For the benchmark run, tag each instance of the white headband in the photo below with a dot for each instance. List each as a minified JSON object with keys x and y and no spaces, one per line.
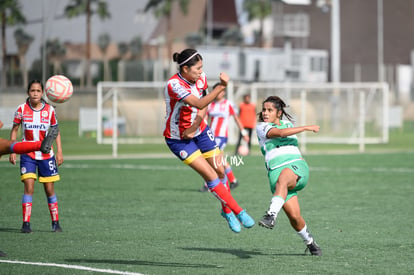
{"x":188,"y":59}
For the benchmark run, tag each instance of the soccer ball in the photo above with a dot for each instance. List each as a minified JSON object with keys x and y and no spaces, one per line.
{"x":58,"y":88}
{"x":243,"y":150}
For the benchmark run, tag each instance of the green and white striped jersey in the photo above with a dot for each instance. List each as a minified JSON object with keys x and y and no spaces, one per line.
{"x":277,"y":151}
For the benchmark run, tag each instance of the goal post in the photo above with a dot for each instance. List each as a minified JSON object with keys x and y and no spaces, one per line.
{"x":136,"y":116}
{"x":348,"y":113}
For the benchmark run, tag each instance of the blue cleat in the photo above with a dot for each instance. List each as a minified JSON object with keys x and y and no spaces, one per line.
{"x":245,"y":219}
{"x":232,"y":221}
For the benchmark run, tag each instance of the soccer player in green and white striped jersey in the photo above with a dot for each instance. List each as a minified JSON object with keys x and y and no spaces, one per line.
{"x":288,"y":172}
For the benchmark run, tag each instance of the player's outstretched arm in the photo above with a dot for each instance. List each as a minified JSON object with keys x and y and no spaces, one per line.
{"x":275,"y":132}
{"x":201,"y":103}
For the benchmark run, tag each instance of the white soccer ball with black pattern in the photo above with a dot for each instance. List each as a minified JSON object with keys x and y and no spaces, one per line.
{"x":59,"y":89}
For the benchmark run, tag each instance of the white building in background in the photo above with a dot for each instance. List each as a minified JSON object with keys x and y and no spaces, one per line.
{"x":266,"y":65}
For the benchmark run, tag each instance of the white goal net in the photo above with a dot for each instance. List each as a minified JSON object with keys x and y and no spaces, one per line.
{"x":348,"y":113}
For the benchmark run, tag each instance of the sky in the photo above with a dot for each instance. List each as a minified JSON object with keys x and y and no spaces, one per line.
{"x":127,"y":21}
{"x":123,"y":25}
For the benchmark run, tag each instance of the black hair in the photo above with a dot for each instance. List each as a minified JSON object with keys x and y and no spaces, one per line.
{"x":184,"y":58}
{"x":33,"y":82}
{"x":279,"y":104}
{"x":215,"y":85}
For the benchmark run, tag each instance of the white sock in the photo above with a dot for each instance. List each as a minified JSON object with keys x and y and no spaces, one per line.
{"x":275,"y":205}
{"x":305,"y":235}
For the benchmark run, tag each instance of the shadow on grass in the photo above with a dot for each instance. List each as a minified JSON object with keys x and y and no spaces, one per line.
{"x":18,"y":230}
{"x":11,"y":230}
{"x":242,"y":254}
{"x":137,"y":262}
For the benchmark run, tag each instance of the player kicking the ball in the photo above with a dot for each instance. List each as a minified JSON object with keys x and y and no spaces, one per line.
{"x":24,"y":147}
{"x":287,"y":171}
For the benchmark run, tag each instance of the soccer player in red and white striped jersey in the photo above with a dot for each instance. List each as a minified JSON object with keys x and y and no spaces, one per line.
{"x":189,"y":137}
{"x":37,"y":118}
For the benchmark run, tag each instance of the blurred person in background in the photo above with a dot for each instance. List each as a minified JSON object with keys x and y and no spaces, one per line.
{"x":247,"y":117}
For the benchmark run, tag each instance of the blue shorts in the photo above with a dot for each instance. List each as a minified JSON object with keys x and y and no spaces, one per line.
{"x":221,"y":142}
{"x":189,"y":149}
{"x":47,"y":169}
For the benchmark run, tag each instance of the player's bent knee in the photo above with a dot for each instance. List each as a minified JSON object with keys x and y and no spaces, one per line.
{"x":192,"y":157}
{"x":211,"y":154}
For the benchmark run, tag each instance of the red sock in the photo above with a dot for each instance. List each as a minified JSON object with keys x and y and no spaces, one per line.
{"x":27,"y":211}
{"x":223,"y":206}
{"x":230,"y":175}
{"x":54,"y":213}
{"x":221,"y":192}
{"x":25,"y":147}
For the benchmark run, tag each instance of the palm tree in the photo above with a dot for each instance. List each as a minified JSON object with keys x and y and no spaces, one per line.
{"x":135,"y":47}
{"x":10,"y":14}
{"x":164,"y":8}
{"x":55,"y":51}
{"x":23,"y":41}
{"x":231,"y":37}
{"x":123,"y":49}
{"x":80,"y":7}
{"x":258,"y":9}
{"x":194,"y":39}
{"x":103,"y":43}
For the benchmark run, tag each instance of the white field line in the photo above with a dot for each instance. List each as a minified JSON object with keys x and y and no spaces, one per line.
{"x":77,"y":267}
{"x":123,"y":166}
{"x":359,"y":169}
{"x":184,"y":167}
{"x":111,"y":166}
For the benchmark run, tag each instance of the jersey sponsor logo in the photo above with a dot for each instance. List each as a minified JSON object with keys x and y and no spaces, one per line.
{"x":200,"y":84}
{"x":183,"y":154}
{"x":44,"y":117}
{"x":34,"y":126}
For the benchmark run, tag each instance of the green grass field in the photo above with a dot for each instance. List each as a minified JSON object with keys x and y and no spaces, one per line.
{"x":145,"y":215}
